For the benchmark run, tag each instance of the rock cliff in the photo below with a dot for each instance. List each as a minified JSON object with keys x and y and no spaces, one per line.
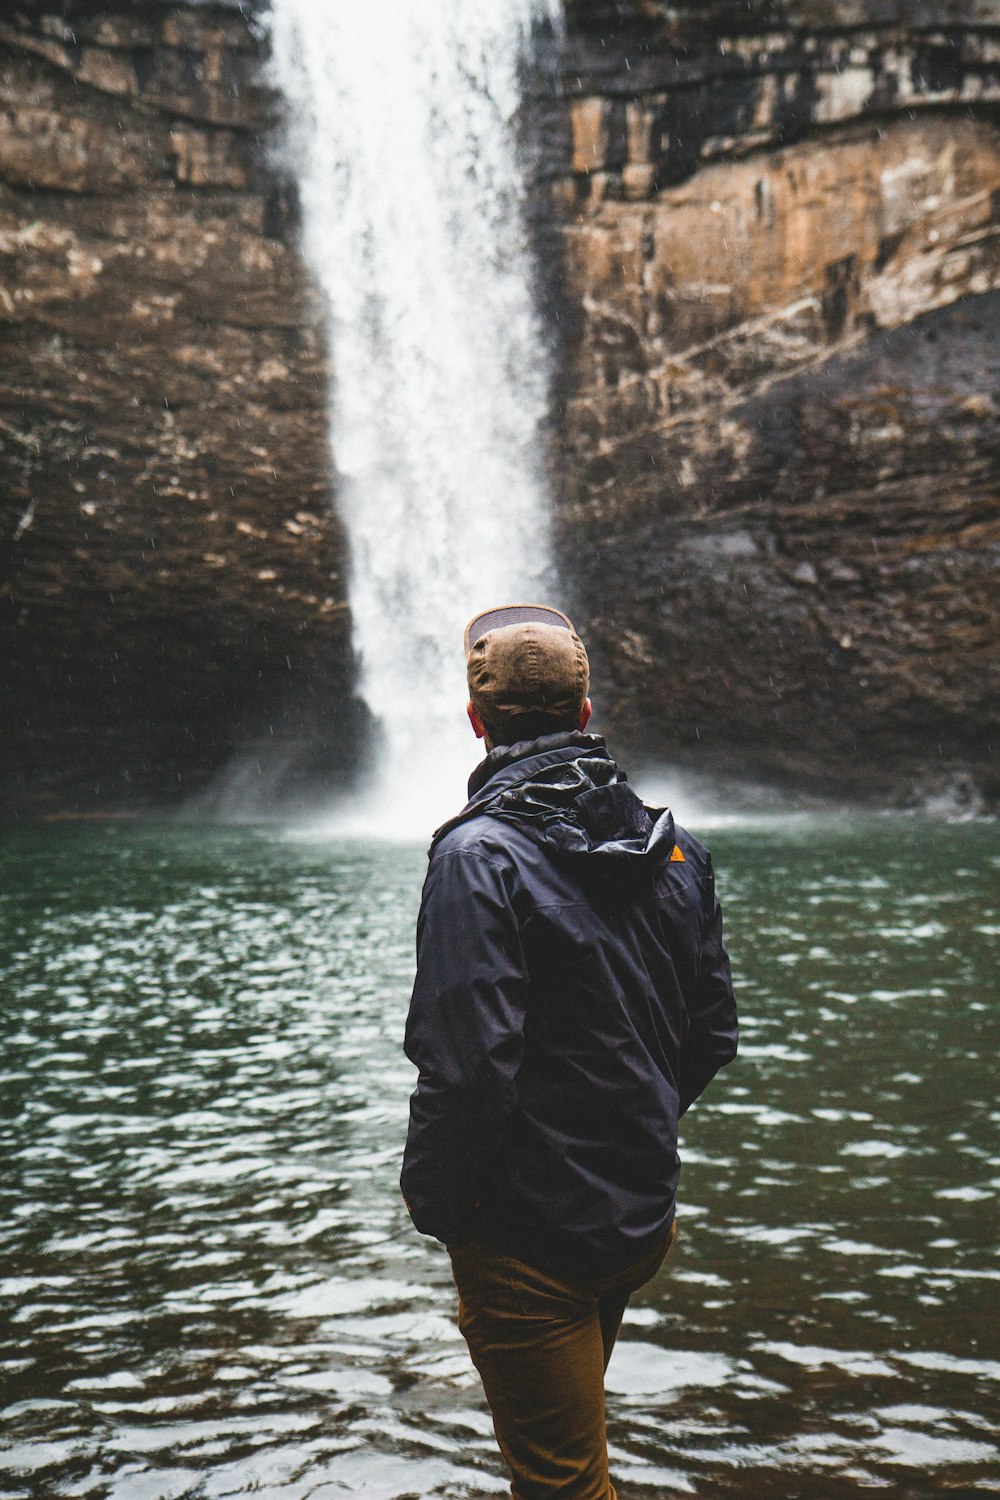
{"x":172,"y":592}
{"x":769,"y":256}
{"x":778,"y":473}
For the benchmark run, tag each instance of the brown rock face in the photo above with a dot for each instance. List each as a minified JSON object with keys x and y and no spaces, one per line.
{"x":779,"y":463}
{"x":770,"y":255}
{"x":172,"y":586}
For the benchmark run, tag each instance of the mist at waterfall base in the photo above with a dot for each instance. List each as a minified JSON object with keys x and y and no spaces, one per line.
{"x":401,"y":133}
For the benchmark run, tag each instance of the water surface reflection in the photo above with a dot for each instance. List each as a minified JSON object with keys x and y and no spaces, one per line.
{"x":208,"y":1284}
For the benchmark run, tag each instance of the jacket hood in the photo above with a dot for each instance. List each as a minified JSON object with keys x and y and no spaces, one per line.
{"x":566,"y":792}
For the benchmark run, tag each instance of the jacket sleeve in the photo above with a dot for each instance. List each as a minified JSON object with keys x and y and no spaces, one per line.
{"x":712,"y":1033}
{"x":464,"y":1032}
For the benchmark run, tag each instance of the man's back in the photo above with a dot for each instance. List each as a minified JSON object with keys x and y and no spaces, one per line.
{"x":572,"y":997}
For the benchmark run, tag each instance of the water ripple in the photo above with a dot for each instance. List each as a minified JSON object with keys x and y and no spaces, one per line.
{"x":208,"y":1283}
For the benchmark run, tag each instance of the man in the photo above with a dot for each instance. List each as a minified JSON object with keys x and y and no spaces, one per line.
{"x":573,"y":997}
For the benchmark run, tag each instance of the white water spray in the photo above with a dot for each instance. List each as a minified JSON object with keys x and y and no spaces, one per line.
{"x":402,"y":129}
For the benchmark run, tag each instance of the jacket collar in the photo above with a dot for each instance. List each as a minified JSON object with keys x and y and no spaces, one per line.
{"x":508,"y":755}
{"x":502,"y":767}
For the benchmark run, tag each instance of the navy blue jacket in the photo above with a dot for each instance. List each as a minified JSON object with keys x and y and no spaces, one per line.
{"x":573,"y":997}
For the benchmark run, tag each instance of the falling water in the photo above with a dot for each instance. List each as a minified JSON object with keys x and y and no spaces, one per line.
{"x":402,"y":134}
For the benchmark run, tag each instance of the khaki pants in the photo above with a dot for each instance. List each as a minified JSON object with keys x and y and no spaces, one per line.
{"x":541,"y":1346}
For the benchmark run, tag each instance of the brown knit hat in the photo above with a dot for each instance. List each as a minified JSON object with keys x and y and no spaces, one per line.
{"x":525,"y":658}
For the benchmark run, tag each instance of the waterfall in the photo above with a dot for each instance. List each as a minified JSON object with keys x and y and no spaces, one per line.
{"x":401,"y":132}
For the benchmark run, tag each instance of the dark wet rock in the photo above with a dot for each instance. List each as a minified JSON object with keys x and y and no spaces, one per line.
{"x":779,"y":458}
{"x":172,"y":592}
{"x":769,"y":254}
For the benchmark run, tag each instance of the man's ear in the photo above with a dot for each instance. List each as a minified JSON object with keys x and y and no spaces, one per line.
{"x":479,"y":728}
{"x":585,"y":713}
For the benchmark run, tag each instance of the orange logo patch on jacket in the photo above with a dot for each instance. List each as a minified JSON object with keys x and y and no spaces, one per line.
{"x":676,"y":855}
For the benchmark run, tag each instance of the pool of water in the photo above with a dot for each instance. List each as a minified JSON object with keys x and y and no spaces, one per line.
{"x":209,"y":1286}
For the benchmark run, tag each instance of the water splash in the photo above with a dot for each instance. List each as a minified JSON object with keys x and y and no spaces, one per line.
{"x":402,"y":138}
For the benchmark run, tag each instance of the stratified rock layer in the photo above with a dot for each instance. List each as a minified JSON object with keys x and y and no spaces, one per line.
{"x":769,"y":252}
{"x":779,"y":471}
{"x":172,"y":591}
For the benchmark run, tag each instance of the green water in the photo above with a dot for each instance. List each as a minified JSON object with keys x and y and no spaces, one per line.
{"x":209,"y":1287}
